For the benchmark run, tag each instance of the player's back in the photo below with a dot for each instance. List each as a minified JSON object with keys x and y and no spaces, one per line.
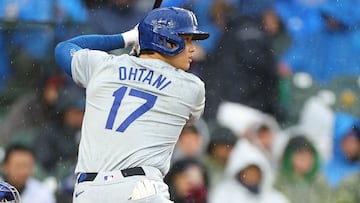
{"x":135,"y":110}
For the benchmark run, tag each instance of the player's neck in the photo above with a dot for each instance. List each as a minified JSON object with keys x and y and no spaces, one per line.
{"x":155,"y":55}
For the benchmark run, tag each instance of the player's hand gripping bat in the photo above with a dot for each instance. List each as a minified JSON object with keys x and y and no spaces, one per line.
{"x":135,"y":51}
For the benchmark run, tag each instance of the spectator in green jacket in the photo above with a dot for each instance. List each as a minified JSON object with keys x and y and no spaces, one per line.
{"x":299,"y":176}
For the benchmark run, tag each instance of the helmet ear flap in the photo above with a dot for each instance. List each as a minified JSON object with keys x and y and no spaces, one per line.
{"x":170,"y":44}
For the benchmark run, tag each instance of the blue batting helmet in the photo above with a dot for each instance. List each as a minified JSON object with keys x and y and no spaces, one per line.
{"x":8,"y":193}
{"x":164,"y":25}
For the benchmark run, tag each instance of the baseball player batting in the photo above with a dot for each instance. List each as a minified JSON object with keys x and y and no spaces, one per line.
{"x":136,"y":107}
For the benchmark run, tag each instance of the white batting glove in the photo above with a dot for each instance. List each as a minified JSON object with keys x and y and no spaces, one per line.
{"x":131,"y":37}
{"x":142,"y":189}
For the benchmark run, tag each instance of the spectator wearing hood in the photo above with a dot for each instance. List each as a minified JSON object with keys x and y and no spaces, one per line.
{"x":346,"y":150}
{"x":332,"y":51}
{"x":248,"y":178}
{"x":263,"y":134}
{"x":299,"y":177}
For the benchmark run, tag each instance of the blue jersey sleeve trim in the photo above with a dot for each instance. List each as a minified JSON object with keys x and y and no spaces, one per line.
{"x":64,"y":50}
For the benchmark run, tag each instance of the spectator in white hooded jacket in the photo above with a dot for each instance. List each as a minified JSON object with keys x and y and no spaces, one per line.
{"x":249,"y":178}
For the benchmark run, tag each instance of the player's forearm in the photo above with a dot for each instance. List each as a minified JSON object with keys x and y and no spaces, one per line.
{"x":99,"y":42}
{"x":95,"y":42}
{"x":106,"y":42}
{"x":64,"y":50}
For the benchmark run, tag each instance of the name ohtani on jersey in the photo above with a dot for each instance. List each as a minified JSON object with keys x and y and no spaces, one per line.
{"x":144,"y":75}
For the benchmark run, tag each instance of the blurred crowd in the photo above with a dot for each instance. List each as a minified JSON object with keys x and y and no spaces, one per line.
{"x":282,"y":116}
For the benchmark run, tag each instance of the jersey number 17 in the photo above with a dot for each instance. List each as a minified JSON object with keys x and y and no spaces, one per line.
{"x":119,"y":95}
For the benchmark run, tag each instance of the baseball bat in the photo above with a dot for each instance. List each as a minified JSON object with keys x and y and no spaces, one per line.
{"x":157,"y":4}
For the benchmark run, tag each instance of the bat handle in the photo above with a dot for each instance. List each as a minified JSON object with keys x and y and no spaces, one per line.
{"x":157,"y":4}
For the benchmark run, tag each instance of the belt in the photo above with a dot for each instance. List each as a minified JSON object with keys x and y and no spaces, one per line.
{"x":136,"y":171}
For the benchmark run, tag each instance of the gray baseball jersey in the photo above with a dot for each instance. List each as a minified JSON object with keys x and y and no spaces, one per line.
{"x":135,"y":110}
